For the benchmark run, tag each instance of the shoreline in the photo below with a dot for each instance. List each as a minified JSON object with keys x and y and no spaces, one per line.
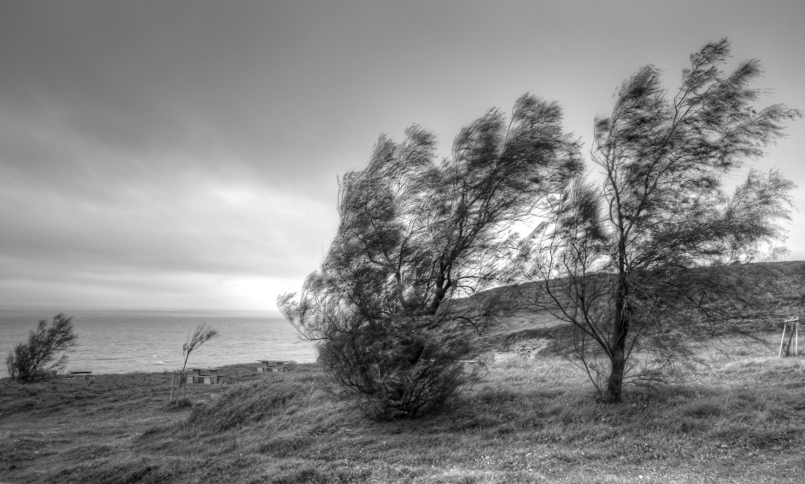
{"x":66,"y":374}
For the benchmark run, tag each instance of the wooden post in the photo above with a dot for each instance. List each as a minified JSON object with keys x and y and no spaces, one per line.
{"x":178,"y":386}
{"x":793,"y":340}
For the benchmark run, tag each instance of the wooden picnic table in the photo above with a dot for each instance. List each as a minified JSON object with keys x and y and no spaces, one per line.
{"x":208,"y":376}
{"x":84,"y":375}
{"x":273,"y":366}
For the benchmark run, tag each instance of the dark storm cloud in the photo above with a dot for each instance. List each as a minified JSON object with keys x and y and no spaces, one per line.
{"x":131,"y":78}
{"x":259,"y":81}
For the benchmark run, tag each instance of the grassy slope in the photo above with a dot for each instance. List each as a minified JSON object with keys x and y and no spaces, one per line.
{"x":739,"y":419}
{"x":742,"y":420}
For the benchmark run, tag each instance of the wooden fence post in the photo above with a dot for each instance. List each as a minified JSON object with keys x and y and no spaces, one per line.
{"x":793,"y":340}
{"x":173,"y":379}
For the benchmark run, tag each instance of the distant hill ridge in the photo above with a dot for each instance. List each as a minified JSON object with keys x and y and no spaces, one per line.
{"x":780,"y":286}
{"x":788,"y":273}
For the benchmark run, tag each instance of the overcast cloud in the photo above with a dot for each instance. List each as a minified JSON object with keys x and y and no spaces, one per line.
{"x":184,"y":154}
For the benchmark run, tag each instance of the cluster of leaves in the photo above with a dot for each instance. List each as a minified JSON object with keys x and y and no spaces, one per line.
{"x":415,"y":234}
{"x":39,"y":358}
{"x":621,"y":259}
{"x":200,"y":335}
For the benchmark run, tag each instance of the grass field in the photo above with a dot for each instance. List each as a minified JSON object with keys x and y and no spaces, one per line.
{"x":741,"y":418}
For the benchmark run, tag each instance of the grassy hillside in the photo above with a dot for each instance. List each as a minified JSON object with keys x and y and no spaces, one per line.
{"x":740,"y":419}
{"x":737,"y":416}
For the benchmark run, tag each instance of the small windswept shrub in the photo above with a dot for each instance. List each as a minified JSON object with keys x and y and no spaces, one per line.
{"x":37,"y":359}
{"x":198,"y":337}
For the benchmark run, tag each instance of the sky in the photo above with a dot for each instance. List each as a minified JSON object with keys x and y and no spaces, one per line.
{"x":185,"y":154}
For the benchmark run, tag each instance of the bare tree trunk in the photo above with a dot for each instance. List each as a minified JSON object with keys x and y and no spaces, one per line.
{"x":615,"y":383}
{"x":617,"y":354}
{"x":440,"y":290}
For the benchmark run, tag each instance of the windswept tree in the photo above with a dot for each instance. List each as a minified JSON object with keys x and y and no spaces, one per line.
{"x":45,"y":353}
{"x":415,"y":235}
{"x":200,"y":335}
{"x":623,"y":260}
{"x":195,"y":339}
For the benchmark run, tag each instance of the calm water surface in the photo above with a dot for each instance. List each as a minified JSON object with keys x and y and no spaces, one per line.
{"x":124,"y":341}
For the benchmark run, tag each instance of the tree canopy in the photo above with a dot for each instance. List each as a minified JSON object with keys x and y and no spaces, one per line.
{"x":39,"y":357}
{"x":620,"y":254}
{"x":620,"y":258}
{"x":416,"y":233}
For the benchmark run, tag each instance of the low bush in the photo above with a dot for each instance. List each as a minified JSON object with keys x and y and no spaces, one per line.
{"x":37,"y":359}
{"x":390,"y":374}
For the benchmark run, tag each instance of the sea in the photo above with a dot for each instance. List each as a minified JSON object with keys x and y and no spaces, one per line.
{"x":124,"y":341}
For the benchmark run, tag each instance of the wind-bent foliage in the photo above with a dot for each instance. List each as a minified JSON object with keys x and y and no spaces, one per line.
{"x":416,"y":234}
{"x":621,"y":260}
{"x":200,"y":335}
{"x":35,"y":360}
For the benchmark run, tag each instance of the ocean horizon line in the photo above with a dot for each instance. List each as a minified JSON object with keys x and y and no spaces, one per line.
{"x":64,"y":310}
